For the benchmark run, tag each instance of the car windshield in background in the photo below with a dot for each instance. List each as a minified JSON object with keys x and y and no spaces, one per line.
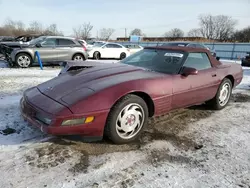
{"x":39,"y":39}
{"x":158,"y":60}
{"x":98,"y":44}
{"x":174,"y":44}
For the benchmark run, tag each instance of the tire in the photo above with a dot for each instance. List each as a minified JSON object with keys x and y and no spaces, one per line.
{"x":97,"y":55}
{"x":78,"y":57}
{"x":27,"y":60}
{"x":123,"y":55}
{"x":138,"y":121}
{"x":216,"y":103}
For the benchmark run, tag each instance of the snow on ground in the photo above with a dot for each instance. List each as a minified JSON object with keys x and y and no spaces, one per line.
{"x":191,"y":147}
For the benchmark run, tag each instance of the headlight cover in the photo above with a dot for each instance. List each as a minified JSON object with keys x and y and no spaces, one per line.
{"x":43,"y":119}
{"x":69,"y":122}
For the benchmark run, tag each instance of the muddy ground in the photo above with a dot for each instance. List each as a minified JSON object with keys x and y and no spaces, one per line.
{"x":167,"y":127}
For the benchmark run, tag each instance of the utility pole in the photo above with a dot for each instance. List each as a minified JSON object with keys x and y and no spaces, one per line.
{"x":125,"y":32}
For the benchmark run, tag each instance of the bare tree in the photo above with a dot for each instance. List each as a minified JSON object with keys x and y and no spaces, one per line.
{"x":83,"y":31}
{"x":52,"y":30}
{"x":35,"y":27}
{"x":77,"y":32}
{"x":194,"y":33}
{"x":216,"y":27}
{"x":224,"y":27}
{"x":14,"y":27}
{"x":242,"y":35}
{"x":105,"y":33}
{"x":176,"y":32}
{"x":137,"y":32}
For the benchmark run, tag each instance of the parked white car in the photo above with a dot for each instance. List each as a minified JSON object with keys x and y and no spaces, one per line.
{"x":133,"y":47}
{"x":108,"y":50}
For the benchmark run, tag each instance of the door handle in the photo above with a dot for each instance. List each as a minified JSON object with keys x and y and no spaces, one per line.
{"x":213,"y":75}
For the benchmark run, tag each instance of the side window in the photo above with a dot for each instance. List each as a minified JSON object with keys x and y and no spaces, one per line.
{"x":65,"y":42}
{"x":116,"y":46}
{"x":49,"y":42}
{"x":108,"y":46}
{"x":192,"y":45}
{"x":200,"y":46}
{"x":199,"y":61}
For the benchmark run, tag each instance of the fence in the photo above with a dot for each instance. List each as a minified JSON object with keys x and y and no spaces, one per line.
{"x":223,"y":50}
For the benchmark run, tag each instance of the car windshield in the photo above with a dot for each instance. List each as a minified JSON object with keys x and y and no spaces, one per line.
{"x":39,"y":39}
{"x":158,"y":60}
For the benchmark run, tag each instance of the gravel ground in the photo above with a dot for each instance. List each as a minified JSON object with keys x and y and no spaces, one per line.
{"x":192,"y":147}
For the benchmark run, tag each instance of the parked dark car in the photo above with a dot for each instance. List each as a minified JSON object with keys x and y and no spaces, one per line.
{"x":17,"y":42}
{"x":246,"y":61}
{"x":191,"y":44}
{"x":93,"y":99}
{"x":6,"y":38}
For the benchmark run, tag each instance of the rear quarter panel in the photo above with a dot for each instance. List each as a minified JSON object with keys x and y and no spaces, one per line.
{"x":230,"y":69}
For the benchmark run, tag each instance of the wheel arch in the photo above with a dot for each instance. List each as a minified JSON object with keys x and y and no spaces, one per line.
{"x":147,"y":99}
{"x":27,"y":53}
{"x":231,"y":78}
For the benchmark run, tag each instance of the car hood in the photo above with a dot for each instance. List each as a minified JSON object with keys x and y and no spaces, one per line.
{"x":91,"y":77}
{"x":14,"y":44}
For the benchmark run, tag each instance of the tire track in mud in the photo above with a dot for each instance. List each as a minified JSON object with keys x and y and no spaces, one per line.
{"x":166,"y":127}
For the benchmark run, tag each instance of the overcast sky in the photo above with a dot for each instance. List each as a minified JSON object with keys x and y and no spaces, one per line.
{"x":154,"y":17}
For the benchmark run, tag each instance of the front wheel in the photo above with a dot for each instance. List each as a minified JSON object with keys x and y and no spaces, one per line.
{"x":23,"y":60}
{"x":126,"y":119}
{"x":222,"y":96}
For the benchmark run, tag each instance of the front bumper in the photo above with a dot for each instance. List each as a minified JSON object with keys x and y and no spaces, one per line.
{"x":29,"y":111}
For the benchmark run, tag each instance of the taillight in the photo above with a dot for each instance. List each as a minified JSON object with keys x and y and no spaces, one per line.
{"x":85,"y":49}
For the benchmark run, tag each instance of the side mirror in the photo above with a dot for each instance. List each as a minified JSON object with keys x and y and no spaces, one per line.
{"x":189,"y":71}
{"x":38,"y":45}
{"x":217,"y":58}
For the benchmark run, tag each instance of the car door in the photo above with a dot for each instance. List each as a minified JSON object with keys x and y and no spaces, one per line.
{"x":112,"y":51}
{"x":106,"y":51}
{"x":194,"y":89}
{"x":47,"y":51}
{"x":64,"y":49}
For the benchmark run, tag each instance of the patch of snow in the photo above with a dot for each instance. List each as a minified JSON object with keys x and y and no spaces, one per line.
{"x":29,"y":159}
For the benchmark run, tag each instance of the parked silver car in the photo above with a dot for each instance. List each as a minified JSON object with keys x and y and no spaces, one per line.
{"x":52,"y":49}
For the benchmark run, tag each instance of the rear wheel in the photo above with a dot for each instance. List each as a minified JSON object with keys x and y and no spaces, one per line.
{"x":222,"y":96}
{"x":123,"y":55}
{"x":78,"y":57}
{"x":23,"y":60}
{"x":126,"y":119}
{"x":97,"y":55}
